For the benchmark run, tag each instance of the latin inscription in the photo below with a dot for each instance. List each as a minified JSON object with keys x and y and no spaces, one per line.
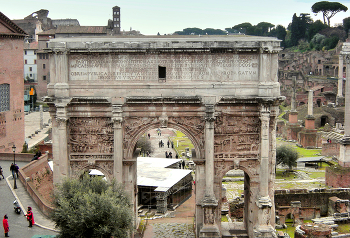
{"x":180,"y":67}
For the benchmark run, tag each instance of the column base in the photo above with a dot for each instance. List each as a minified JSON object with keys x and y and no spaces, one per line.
{"x":264,"y":202}
{"x":209,"y":201}
{"x":265,"y":231}
{"x":211,"y":231}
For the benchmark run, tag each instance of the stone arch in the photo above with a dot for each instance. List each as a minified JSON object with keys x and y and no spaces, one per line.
{"x":146,"y":127}
{"x":250,"y":174}
{"x":237,"y":164}
{"x":77,"y":168}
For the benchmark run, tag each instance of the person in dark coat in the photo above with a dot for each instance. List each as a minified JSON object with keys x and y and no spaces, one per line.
{"x":1,"y":173}
{"x":30,"y":217}
{"x":16,"y":170}
{"x":5,"y":224}
{"x":13,"y":170}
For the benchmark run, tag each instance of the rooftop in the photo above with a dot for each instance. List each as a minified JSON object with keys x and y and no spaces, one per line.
{"x":153,"y":172}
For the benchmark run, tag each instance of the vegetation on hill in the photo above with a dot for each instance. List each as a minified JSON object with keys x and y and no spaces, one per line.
{"x":302,"y":33}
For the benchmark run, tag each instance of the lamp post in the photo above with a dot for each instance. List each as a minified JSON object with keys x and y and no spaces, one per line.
{"x":14,"y":163}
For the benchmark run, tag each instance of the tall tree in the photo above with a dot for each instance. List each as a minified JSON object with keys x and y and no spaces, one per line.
{"x":265,"y":27}
{"x":328,"y":9}
{"x":281,"y":34}
{"x":294,"y":29}
{"x":92,"y":208}
{"x":245,"y":28}
{"x":346,"y":25}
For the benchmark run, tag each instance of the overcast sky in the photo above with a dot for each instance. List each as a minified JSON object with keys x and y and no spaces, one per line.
{"x":164,"y":16}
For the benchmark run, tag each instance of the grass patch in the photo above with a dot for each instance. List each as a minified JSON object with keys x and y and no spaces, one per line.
{"x":281,"y":174}
{"x":308,"y":152}
{"x":290,"y":230}
{"x":315,"y":175}
{"x":181,"y":142}
{"x":224,"y":218}
{"x":302,"y":151}
{"x":343,"y":228}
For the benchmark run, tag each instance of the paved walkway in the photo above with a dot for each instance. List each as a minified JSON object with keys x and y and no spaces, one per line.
{"x":33,"y":135}
{"x":25,"y":200}
{"x":178,"y":223}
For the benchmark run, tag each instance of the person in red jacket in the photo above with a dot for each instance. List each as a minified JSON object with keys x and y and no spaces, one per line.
{"x":30,"y":217}
{"x":5,"y":223}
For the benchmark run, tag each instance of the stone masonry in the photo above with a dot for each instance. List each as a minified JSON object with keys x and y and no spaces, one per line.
{"x":222,"y":92}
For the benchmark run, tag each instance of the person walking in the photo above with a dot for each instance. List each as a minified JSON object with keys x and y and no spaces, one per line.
{"x":1,"y":173}
{"x":168,"y":143}
{"x":5,"y":224}
{"x":13,"y":169}
{"x":16,"y":170}
{"x":30,"y":217}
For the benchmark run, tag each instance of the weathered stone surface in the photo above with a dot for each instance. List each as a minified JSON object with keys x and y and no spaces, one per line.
{"x":222,"y":92}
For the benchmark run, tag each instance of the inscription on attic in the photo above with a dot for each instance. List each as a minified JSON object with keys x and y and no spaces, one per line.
{"x":179,"y":67}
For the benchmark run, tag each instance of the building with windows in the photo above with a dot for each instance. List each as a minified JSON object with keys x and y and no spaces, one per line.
{"x":30,"y":73}
{"x":11,"y":85}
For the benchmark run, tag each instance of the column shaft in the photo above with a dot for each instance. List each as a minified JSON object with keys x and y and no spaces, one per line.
{"x":264,"y":153}
{"x":118,"y":143}
{"x":209,"y":158}
{"x":347,"y":98}
{"x":340,"y":76}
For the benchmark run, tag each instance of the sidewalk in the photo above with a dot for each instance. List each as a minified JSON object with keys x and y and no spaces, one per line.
{"x":32,"y":129}
{"x":26,"y":201}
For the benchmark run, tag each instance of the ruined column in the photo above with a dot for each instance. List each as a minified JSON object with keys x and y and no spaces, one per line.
{"x":41,"y":117}
{"x":310,"y":103}
{"x":310,"y":119}
{"x":293,"y":115}
{"x":293,"y":99}
{"x":340,"y":76}
{"x":344,"y":153}
{"x":118,"y":143}
{"x":347,"y":99}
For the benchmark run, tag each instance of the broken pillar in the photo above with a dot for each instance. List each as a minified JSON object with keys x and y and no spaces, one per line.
{"x":307,"y":137}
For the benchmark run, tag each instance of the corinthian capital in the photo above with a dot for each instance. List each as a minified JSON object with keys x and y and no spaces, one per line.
{"x":61,"y":121}
{"x":347,"y":58}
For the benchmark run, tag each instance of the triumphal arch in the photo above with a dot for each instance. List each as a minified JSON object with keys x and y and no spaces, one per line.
{"x":221,"y":91}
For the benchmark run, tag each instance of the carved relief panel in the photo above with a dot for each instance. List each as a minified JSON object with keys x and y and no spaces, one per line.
{"x":236,"y":136}
{"x":90,"y":138}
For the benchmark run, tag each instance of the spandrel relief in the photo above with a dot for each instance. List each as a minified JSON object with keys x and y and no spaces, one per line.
{"x":236,"y":136}
{"x":90,"y":137}
{"x":195,"y":125}
{"x":132,"y":126}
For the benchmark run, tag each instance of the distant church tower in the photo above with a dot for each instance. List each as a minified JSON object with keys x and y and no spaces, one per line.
{"x":116,"y":20}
